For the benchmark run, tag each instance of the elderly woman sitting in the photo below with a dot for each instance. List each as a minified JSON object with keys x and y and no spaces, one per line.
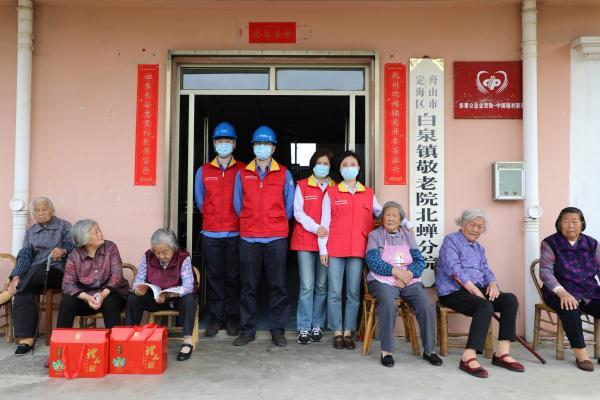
{"x":462,"y":259}
{"x":569,"y":264}
{"x":167,"y":272}
{"x":396,"y":263}
{"x":48,"y":237}
{"x":93,"y":278}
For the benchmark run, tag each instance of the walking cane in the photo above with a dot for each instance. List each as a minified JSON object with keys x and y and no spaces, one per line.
{"x":519,"y":338}
{"x":37,"y":328}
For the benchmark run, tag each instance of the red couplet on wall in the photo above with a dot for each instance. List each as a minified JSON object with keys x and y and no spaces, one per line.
{"x":272,"y":32}
{"x":488,"y":89}
{"x":146,"y":124}
{"x":395,"y":123}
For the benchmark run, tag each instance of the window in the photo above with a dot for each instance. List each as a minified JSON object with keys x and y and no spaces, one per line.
{"x":302,"y":152}
{"x":225,"y":79}
{"x":320,"y":79}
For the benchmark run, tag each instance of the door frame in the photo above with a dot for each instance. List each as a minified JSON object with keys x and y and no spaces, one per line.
{"x":178,"y":59}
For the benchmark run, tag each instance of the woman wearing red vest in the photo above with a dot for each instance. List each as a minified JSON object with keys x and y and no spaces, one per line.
{"x":348,"y":210}
{"x":165,"y":266}
{"x":220,"y":235}
{"x":308,"y":201}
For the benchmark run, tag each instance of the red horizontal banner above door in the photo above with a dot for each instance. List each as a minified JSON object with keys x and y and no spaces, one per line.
{"x":272,"y":32}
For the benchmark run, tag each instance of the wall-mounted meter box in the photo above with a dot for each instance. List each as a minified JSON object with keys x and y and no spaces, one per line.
{"x":509,"y":180}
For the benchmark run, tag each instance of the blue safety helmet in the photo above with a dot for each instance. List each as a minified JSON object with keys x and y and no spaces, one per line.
{"x":264,"y":134}
{"x":224,"y":130}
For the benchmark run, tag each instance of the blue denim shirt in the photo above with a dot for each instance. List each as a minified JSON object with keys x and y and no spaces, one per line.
{"x":463,"y":259}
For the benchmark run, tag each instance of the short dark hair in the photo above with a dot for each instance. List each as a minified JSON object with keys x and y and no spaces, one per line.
{"x":322,"y":152}
{"x":348,"y":153}
{"x":569,"y":210}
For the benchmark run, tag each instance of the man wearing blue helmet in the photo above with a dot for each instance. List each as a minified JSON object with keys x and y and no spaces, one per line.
{"x":264,"y":200}
{"x":213,"y":191}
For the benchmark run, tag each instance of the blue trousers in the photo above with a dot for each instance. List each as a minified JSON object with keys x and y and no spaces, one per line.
{"x":351,"y":268}
{"x":313,"y":291}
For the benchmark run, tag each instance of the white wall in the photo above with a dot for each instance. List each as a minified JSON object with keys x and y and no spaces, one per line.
{"x":584,"y":188}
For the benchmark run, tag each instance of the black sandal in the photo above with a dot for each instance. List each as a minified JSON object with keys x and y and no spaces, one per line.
{"x":184,"y":356}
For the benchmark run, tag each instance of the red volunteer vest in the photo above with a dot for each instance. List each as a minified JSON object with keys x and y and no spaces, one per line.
{"x":351,"y":221}
{"x":218,"y":214}
{"x":263,"y":207}
{"x":313,"y":206}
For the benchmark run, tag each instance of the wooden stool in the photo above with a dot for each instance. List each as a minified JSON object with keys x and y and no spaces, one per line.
{"x":443,"y":334}
{"x":7,"y":261}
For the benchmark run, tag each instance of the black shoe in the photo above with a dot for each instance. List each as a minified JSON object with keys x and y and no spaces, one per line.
{"x":387,"y":361}
{"x":242,"y":340}
{"x":303,"y":337}
{"x":316,"y":334}
{"x":233,"y":327}
{"x":23,"y":349}
{"x":181,"y":356}
{"x":433,"y":359}
{"x":213,"y":328}
{"x":279,"y":339}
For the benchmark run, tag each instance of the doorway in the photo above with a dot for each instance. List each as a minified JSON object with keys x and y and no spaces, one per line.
{"x":307,"y":114}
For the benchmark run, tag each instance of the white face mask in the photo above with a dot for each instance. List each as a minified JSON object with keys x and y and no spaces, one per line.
{"x":263,"y":151}
{"x":349,"y":173}
{"x":224,"y":150}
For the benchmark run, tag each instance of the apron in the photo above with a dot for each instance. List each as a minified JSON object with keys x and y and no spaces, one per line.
{"x":398,"y":257}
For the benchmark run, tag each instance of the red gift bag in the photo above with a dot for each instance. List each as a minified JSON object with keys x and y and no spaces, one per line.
{"x":138,"y":349}
{"x":78,"y":353}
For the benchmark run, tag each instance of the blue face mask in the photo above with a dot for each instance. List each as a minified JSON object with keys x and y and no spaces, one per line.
{"x":263,"y":151}
{"x":321,"y":170}
{"x":349,"y":173}
{"x":224,"y":150}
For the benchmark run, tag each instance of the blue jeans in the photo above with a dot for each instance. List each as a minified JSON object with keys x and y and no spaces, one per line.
{"x":352,"y":267}
{"x":313,"y":291}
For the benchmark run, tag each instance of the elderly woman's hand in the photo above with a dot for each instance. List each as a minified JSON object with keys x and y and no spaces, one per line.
{"x":492,"y":291}
{"x":161,"y":298}
{"x":404,"y":275}
{"x":567,"y":301}
{"x":12,"y":286}
{"x":474,"y":290}
{"x":57,"y":253}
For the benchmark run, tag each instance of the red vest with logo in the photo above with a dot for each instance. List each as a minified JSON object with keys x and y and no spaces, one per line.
{"x":351,"y":222}
{"x":313,"y":206}
{"x":218,"y":214}
{"x":169,"y":276}
{"x":263,"y":206}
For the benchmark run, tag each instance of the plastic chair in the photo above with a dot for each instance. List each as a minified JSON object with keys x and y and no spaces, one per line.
{"x":170,"y":314}
{"x":369,"y":320}
{"x":90,"y":321}
{"x":555,"y":332}
{"x":6,"y":324}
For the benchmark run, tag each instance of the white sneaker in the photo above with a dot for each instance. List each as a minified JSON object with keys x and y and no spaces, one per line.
{"x":303,"y":337}
{"x":316,"y":334}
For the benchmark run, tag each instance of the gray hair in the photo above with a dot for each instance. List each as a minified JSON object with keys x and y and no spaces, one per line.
{"x":470,"y":214}
{"x":80,"y":232}
{"x":37,"y":200}
{"x":165,"y":236}
{"x":396,"y":205}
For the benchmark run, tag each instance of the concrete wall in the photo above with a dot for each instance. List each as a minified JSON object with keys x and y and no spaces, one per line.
{"x":84,"y":88}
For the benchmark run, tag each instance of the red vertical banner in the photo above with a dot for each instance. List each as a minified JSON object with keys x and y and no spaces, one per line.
{"x":145,"y":126}
{"x":395,"y":123}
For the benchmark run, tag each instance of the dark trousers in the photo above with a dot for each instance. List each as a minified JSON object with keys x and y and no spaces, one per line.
{"x":24,"y":313}
{"x":221,"y":257}
{"x":273,"y":257}
{"x":571,"y":319}
{"x":481,"y":311}
{"x":186,"y":306}
{"x":71,"y":306}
